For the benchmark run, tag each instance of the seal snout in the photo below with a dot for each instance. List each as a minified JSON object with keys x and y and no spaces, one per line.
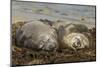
{"x":50,"y":46}
{"x":47,"y":42}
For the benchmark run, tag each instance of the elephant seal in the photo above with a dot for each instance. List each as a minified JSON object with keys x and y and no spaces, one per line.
{"x":71,"y":36}
{"x":38,"y":36}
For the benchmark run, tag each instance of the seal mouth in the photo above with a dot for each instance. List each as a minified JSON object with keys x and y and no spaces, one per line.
{"x":77,"y":43}
{"x":49,"y":47}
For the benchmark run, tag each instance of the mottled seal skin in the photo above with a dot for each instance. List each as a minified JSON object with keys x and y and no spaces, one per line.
{"x":76,"y":41}
{"x":70,"y":36}
{"x":38,"y":36}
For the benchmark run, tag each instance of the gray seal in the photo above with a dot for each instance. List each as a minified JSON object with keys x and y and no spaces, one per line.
{"x":70,"y":36}
{"x":38,"y":36}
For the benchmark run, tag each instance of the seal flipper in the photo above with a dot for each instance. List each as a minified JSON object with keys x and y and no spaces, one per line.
{"x":61,"y":33}
{"x":19,"y":37}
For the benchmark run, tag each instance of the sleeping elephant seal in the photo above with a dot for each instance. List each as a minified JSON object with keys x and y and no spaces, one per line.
{"x":71,"y":36}
{"x":38,"y":36}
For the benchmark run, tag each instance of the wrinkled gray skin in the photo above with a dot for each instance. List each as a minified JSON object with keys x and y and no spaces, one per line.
{"x":37,"y":36}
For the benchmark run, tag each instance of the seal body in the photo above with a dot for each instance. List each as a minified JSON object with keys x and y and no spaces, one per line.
{"x":70,"y":36}
{"x":36,"y":35}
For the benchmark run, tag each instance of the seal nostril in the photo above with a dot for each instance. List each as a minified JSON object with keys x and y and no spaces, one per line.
{"x":51,"y":47}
